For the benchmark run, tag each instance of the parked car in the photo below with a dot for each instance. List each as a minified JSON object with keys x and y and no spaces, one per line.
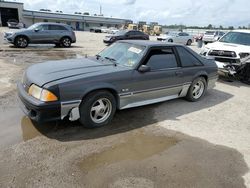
{"x":230,"y":50}
{"x":95,"y":30}
{"x":104,"y":29}
{"x":126,"y":35}
{"x":212,"y":36}
{"x":127,"y":74}
{"x":112,"y":30}
{"x":176,"y":37}
{"x":14,"y":24}
{"x":42,"y":33}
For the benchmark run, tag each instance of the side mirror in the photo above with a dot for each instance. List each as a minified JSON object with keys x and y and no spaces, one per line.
{"x":144,"y":68}
{"x":36,"y":30}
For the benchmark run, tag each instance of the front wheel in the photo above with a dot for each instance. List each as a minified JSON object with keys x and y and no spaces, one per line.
{"x":197,"y":89}
{"x":170,"y":40}
{"x":66,"y":42}
{"x":21,"y":42}
{"x":97,"y":109}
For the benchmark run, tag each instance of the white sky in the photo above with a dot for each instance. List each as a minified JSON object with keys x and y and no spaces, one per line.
{"x":187,"y":12}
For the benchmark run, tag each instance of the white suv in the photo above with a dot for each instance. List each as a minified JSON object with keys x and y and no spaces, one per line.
{"x":231,"y":49}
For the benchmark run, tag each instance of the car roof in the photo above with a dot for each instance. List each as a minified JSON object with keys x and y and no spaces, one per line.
{"x":149,"y":43}
{"x":53,"y":23}
{"x":242,"y":31}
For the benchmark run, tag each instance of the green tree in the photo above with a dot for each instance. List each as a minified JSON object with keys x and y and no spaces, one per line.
{"x":210,"y":26}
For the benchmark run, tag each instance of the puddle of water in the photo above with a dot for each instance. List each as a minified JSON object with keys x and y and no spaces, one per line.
{"x":136,"y":147}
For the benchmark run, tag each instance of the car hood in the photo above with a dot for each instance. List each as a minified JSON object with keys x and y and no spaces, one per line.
{"x":20,"y":31}
{"x":228,"y":47}
{"x":44,"y":73}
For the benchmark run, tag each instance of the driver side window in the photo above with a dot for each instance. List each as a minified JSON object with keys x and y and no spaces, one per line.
{"x":160,"y":59}
{"x":43,"y":27}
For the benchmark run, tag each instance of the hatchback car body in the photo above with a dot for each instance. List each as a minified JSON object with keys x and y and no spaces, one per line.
{"x":127,"y":74}
{"x":42,"y":33}
{"x":176,"y":37}
{"x":126,"y":35}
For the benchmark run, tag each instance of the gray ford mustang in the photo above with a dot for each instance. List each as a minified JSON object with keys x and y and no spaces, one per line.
{"x":127,"y":74}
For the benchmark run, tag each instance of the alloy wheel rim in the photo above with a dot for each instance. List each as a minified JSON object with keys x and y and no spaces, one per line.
{"x":66,"y":42}
{"x":22,"y":42}
{"x":101,"y":110}
{"x":198,"y":89}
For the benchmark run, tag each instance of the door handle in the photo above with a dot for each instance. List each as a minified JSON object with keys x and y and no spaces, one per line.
{"x":178,"y":73}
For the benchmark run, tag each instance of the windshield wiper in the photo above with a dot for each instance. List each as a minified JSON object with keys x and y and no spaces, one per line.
{"x":111,"y":59}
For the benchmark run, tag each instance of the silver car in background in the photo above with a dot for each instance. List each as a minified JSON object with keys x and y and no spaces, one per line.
{"x":212,"y":36}
{"x":176,"y":37}
{"x":42,"y":33}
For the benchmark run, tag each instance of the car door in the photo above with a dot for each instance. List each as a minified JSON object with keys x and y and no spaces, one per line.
{"x":178,"y":38}
{"x":162,"y":82}
{"x":57,"y":32}
{"x":40,"y":34}
{"x":131,"y":35}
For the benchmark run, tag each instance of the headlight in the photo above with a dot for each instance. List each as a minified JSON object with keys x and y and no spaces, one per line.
{"x":41,"y":94}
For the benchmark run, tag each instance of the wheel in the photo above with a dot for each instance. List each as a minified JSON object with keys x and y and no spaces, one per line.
{"x":189,"y":42}
{"x":205,"y":43}
{"x":21,"y":42}
{"x":97,"y":109}
{"x":197,"y":89}
{"x":170,"y":40}
{"x":66,"y":42}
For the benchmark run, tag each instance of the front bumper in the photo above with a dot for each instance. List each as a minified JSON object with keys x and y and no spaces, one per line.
{"x":108,"y":41}
{"x":37,"y":110}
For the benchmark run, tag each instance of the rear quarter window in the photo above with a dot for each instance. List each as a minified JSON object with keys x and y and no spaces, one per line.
{"x":187,"y":59}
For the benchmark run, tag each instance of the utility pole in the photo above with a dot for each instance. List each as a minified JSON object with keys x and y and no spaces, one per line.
{"x":100,"y":9}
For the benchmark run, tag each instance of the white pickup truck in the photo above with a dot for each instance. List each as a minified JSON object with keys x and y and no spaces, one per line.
{"x":230,"y":52}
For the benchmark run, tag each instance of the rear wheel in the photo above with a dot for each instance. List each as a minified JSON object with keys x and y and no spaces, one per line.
{"x":170,"y":40}
{"x":97,"y":109}
{"x":66,"y":42}
{"x":197,"y":89}
{"x":21,"y":42}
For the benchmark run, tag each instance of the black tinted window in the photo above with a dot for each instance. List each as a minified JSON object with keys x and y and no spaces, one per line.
{"x":187,"y":59}
{"x":138,"y":33}
{"x":56,"y":27}
{"x":42,"y":27}
{"x":131,"y":33}
{"x":161,"y":59}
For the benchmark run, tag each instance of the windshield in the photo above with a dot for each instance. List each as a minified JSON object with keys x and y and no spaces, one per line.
{"x":236,"y":38}
{"x":124,"y":54}
{"x":119,"y":33}
{"x":172,"y":34}
{"x":33,"y":26}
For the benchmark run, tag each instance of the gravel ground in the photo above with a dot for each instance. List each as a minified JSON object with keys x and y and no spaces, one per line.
{"x":170,"y":144}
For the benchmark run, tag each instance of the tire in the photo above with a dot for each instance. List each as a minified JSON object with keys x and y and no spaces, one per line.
{"x":200,"y":85}
{"x":66,"y":42}
{"x":97,"y":109}
{"x":205,"y":43}
{"x":189,"y":42}
{"x":170,"y":40}
{"x":21,"y":42}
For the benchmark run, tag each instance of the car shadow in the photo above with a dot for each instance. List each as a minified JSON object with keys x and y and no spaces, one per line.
{"x":232,"y":81}
{"x":126,"y":120}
